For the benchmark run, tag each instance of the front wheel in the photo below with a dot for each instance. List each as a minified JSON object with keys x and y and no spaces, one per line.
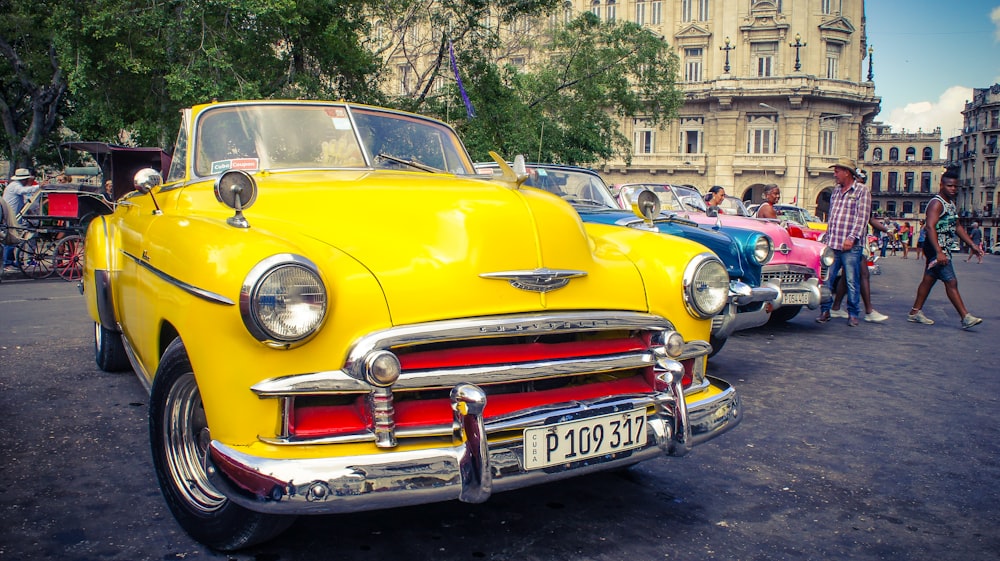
{"x":109,"y":350}
{"x":179,"y":435}
{"x":784,"y":314}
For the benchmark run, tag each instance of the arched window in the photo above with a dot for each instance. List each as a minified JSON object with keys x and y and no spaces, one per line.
{"x":612,"y":10}
{"x":928,"y":154}
{"x":877,"y":154}
{"x":911,"y":154}
{"x":640,"y":12}
{"x":894,"y":154}
{"x":595,"y":8}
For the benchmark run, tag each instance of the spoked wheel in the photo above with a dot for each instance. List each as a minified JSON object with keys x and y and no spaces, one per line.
{"x":69,"y":258}
{"x":179,"y":435}
{"x":36,"y":257}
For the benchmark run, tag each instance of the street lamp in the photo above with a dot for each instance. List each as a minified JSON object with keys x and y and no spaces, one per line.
{"x":800,"y":177}
{"x":871,"y":74}
{"x":798,"y":44}
{"x":728,"y":48}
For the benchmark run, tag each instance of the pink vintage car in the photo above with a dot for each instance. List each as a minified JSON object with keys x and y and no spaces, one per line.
{"x":798,"y":268}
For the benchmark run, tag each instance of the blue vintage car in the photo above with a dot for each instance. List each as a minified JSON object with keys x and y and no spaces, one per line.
{"x":743,"y":251}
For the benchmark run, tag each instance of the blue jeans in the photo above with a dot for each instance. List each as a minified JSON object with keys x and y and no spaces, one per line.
{"x":850,"y":262}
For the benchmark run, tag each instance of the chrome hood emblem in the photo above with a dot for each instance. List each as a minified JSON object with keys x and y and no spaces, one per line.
{"x":538,"y":280}
{"x":783,"y":249}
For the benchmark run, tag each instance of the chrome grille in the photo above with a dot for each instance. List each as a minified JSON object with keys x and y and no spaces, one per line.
{"x":784,"y":277}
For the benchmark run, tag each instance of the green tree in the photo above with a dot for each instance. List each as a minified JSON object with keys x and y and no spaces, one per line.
{"x":33,"y":87}
{"x":138,"y":62}
{"x":568,"y":108}
{"x":119,"y":70}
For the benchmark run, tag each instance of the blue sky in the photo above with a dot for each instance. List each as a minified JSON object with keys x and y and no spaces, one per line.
{"x":928,"y":56}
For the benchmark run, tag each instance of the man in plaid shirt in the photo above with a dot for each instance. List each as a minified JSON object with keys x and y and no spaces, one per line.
{"x":850,"y":208}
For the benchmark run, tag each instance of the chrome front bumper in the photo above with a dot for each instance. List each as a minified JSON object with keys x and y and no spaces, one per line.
{"x":470,"y":471}
{"x":742,"y":294}
{"x":815,"y":292}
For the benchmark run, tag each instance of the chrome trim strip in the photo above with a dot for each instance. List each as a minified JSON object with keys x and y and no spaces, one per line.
{"x":191,"y":289}
{"x":137,"y":366}
{"x":504,"y":373}
{"x":486,"y":327}
{"x":313,"y":383}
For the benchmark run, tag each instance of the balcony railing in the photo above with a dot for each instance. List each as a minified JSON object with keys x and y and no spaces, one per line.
{"x":776,"y":163}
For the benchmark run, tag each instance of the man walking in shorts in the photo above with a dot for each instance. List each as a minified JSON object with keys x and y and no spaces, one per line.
{"x":942,"y":226}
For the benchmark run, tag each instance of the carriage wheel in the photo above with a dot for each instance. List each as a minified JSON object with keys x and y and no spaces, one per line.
{"x":69,"y":258}
{"x":36,"y":257}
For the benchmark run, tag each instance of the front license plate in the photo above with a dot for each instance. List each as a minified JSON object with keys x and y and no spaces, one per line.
{"x":795,"y":298}
{"x":573,"y":441}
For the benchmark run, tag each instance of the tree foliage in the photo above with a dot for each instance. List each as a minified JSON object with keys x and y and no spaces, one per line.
{"x":568,"y":108}
{"x":33,"y":85}
{"x":127,"y":66}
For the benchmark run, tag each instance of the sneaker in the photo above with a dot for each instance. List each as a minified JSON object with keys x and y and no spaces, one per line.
{"x":838,"y":314}
{"x":919,"y":317}
{"x":876,"y":317}
{"x":10,"y":269}
{"x":852,"y":322}
{"x":970,"y":320}
{"x":823,"y":318}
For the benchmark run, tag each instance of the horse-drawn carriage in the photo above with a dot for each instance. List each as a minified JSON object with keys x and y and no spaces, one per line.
{"x":48,"y":232}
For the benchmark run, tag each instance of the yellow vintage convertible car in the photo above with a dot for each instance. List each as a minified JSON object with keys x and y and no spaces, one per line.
{"x":333,"y":313}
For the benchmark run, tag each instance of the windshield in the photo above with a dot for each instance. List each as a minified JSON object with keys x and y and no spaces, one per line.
{"x":577,"y":187}
{"x":672,"y":198}
{"x":734,"y":206}
{"x":286,"y":136}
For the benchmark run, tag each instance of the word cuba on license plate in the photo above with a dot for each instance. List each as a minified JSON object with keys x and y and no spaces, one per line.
{"x":590,"y":437}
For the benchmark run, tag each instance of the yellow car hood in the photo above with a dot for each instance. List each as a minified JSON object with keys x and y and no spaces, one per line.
{"x":428,"y":238}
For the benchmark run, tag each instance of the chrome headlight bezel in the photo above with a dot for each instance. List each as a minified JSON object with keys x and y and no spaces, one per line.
{"x":706,"y":286}
{"x":761,"y":250}
{"x":259,"y":298}
{"x":827,"y":257}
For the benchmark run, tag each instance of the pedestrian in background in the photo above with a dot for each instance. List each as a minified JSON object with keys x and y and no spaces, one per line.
{"x":16,"y":195}
{"x":850,"y":209}
{"x":977,"y":240}
{"x":905,"y":235}
{"x":921,"y":237}
{"x":942,"y":226}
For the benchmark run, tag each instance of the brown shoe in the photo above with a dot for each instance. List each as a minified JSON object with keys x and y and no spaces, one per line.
{"x":823,"y":318}
{"x":852,"y":322}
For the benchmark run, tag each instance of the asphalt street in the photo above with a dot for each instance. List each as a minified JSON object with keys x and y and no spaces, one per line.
{"x":869,"y":443}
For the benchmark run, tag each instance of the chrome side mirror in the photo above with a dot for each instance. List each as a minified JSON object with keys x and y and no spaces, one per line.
{"x":145,"y":180}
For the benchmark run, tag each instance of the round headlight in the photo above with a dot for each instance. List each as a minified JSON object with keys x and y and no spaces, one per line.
{"x":763,"y":249}
{"x":283,"y":300}
{"x":706,"y":285}
{"x":827,"y":257}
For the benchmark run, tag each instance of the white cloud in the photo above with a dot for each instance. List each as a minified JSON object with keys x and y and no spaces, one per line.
{"x":995,"y":16}
{"x":946,"y":113}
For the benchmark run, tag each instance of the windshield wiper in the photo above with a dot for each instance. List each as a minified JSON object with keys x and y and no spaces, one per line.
{"x":589,"y":202}
{"x":411,"y":163}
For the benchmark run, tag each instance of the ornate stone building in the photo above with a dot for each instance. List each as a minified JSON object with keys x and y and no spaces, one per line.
{"x":975,"y":153}
{"x":775,"y":92}
{"x":904,"y":170}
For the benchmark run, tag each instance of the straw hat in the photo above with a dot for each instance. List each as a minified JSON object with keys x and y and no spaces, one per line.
{"x":846,"y":163}
{"x":21,"y":173}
